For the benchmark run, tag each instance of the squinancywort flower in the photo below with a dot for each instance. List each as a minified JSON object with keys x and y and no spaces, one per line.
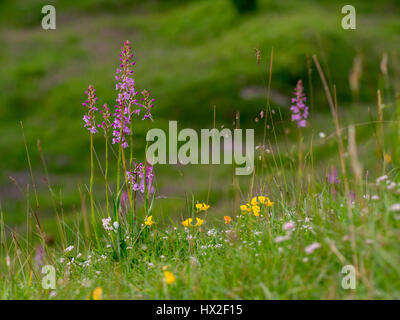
{"x":202,"y":207}
{"x":149,"y":221}
{"x":169,"y":277}
{"x":298,"y":108}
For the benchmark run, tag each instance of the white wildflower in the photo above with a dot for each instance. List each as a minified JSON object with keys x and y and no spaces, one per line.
{"x":312,"y":247}
{"x":69,"y":249}
{"x":116,"y":225}
{"x":282,"y":238}
{"x":391,"y":186}
{"x":395,"y":207}
{"x":289,"y":226}
{"x":380,"y":179}
{"x":107,"y":224}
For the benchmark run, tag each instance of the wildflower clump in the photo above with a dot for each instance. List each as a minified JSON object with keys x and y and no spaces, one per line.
{"x":202,"y":207}
{"x":188,"y":222}
{"x":126,"y":99}
{"x":255,"y":205}
{"x":139,"y":176}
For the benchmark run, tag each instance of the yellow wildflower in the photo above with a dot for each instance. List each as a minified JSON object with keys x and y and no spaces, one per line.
{"x":169,"y":277}
{"x":199,"y":222}
{"x":261,"y":199}
{"x":269,"y":203}
{"x":245,"y":208}
{"x":187,"y":222}
{"x":202,"y":206}
{"x":256,"y":210}
{"x":388,"y":158}
{"x":227,"y":219}
{"x":149,"y":221}
{"x":254,"y":201}
{"x":97,"y":293}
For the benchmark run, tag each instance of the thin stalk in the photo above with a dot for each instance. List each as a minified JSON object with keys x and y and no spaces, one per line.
{"x":106,"y":176}
{"x":146,"y":193}
{"x":300,"y":154}
{"x":126,"y":177}
{"x":381,"y":145}
{"x":91,"y":191}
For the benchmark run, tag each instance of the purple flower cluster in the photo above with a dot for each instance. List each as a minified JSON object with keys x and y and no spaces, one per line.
{"x":127,"y":102}
{"x":147,"y":104}
{"x":89,"y":118}
{"x":106,"y":124}
{"x":332,"y":176}
{"x":136,"y":177}
{"x":298,"y":108}
{"x":39,"y":256}
{"x":126,"y":99}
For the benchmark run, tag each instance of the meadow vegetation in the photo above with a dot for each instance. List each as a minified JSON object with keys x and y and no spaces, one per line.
{"x":79,"y":196}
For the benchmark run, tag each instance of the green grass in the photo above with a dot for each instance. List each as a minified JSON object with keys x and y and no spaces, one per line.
{"x":236,"y":261}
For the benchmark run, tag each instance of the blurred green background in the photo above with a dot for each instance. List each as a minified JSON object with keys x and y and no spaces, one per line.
{"x":192,"y":55}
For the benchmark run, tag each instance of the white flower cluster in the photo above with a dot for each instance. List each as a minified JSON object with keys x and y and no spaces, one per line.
{"x":107,"y":224}
{"x":390,"y":185}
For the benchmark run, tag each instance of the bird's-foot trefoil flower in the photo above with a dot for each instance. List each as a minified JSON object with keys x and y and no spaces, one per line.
{"x":202,"y":207}
{"x":149,"y":221}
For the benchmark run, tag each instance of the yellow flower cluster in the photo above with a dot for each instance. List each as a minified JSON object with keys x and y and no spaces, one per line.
{"x":202,"y":207}
{"x":188,"y":222}
{"x":149,"y":221}
{"x":254,"y":205}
